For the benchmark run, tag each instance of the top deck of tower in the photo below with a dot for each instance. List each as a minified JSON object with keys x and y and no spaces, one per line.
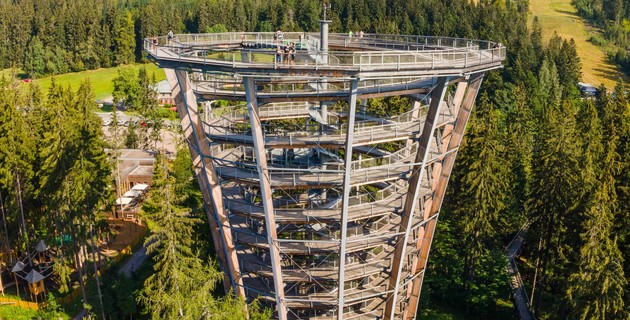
{"x":368,"y":56}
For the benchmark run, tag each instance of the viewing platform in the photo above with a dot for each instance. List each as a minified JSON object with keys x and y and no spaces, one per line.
{"x":372,"y":55}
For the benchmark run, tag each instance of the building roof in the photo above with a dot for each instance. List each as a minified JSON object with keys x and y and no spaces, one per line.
{"x":123,"y":201}
{"x":19,"y":266}
{"x":41,"y":246}
{"x":163,"y":87}
{"x":136,"y":154}
{"x":140,"y":187}
{"x":34,"y":276}
{"x":132,"y":193}
{"x":586,"y":86}
{"x":141,"y":171}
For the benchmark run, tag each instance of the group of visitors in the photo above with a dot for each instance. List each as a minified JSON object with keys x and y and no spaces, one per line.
{"x":169,"y":38}
{"x":286,"y":53}
{"x":351,"y":34}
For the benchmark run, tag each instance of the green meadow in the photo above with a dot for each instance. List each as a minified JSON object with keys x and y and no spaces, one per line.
{"x":101,"y":79}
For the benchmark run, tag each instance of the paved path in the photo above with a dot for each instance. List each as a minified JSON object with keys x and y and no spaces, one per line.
{"x":82,"y":314}
{"x":134,"y":263}
{"x":521,"y":299}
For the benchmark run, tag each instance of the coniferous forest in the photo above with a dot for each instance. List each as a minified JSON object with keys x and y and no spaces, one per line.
{"x":537,"y":156}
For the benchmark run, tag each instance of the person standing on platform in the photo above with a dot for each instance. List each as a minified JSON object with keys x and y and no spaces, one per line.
{"x":278,"y":54}
{"x":170,"y":37}
{"x":292,"y":53}
{"x":286,"y":54}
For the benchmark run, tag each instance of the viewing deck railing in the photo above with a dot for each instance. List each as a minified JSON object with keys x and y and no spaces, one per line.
{"x":371,"y":52}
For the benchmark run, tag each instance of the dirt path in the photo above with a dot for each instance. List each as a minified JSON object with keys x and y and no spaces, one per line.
{"x":561,"y":16}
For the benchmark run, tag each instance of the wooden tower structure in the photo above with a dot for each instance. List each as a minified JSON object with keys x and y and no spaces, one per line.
{"x":319,"y":206}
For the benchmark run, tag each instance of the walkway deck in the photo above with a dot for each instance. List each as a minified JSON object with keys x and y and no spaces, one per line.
{"x":519,"y":292}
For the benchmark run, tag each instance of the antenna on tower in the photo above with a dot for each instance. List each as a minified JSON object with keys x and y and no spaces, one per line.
{"x":326,"y":8}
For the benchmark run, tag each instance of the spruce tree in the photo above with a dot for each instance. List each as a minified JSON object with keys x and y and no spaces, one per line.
{"x":596,"y":289}
{"x":16,"y":156}
{"x":182,"y":283}
{"x":614,"y":111}
{"x":519,"y":144}
{"x":555,"y":191}
{"x":481,"y":192}
{"x":124,"y":38}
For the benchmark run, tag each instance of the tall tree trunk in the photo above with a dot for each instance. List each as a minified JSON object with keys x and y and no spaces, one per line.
{"x":98,"y":282}
{"x":80,"y":270}
{"x":531,"y":298}
{"x":6,"y":231}
{"x":19,"y":194}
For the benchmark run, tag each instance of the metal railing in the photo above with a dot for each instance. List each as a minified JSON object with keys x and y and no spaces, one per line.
{"x":421,"y":52}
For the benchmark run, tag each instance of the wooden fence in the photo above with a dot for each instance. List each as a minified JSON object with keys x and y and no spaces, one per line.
{"x":21,"y":303}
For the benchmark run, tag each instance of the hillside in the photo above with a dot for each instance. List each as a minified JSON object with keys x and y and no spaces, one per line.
{"x":560,"y":16}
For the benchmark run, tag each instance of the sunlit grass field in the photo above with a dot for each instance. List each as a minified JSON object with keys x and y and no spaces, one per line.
{"x":560,"y":16}
{"x":101,"y":79}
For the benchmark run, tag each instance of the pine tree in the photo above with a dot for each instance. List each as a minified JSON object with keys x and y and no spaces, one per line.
{"x":16,"y":156}
{"x":149,"y":110}
{"x":124,"y":39}
{"x":615,"y":115}
{"x":596,"y":289}
{"x":35,"y":64}
{"x":520,"y":140}
{"x":555,"y":195}
{"x":131,"y":138}
{"x":481,"y":192}
{"x":182,"y":283}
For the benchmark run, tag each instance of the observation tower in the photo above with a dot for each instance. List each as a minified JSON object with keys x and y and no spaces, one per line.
{"x":322,"y":199}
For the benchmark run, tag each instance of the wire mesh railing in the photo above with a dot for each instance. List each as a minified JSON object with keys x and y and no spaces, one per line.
{"x":421,"y":52}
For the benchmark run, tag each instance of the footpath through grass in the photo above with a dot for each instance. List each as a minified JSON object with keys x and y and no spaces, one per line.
{"x":560,"y":16}
{"x":102,"y":79}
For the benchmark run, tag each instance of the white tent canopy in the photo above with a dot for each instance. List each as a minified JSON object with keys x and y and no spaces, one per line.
{"x":140,"y":187}
{"x":132,"y":193}
{"x":123,"y":201}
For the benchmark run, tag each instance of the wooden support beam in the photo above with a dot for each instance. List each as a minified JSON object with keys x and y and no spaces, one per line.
{"x":411,"y":199}
{"x":464,"y":104}
{"x":207,"y":178}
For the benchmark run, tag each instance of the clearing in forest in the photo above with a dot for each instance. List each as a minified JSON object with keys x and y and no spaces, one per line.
{"x":101,"y":79}
{"x":562,"y":17}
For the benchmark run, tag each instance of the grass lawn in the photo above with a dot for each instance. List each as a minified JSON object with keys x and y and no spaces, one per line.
{"x":101,"y":78}
{"x":560,"y":16}
{"x":8,"y":312}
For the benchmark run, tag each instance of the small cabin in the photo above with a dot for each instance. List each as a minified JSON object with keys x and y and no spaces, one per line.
{"x":588,"y":90}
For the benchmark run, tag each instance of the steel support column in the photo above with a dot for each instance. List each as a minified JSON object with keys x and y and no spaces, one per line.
{"x":266,"y":194}
{"x":207,"y":178}
{"x":411,"y":199}
{"x":352,"y":101}
{"x":440,"y":182}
